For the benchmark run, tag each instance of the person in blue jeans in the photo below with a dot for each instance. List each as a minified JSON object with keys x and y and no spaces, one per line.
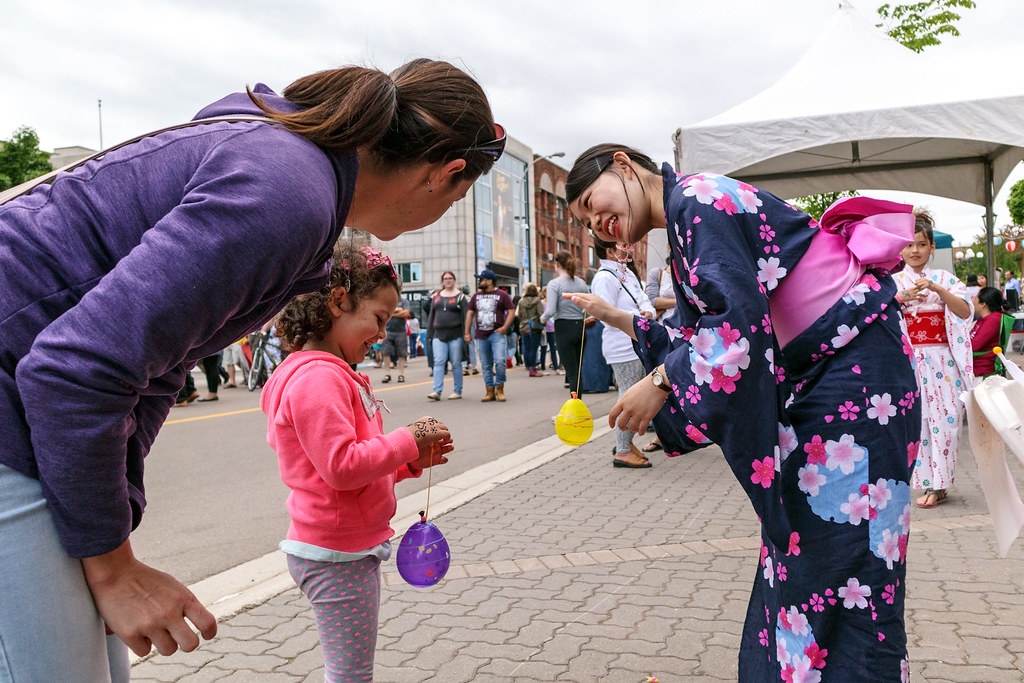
{"x":492,"y":311}
{"x":445,"y":327}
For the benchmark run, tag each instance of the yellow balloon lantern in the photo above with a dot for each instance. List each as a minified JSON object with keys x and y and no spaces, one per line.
{"x":574,"y":424}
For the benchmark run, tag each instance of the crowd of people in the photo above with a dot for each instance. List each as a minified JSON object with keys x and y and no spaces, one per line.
{"x":758,"y":311}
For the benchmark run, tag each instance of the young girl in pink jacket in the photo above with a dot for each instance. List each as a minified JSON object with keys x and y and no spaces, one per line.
{"x":326,"y":426}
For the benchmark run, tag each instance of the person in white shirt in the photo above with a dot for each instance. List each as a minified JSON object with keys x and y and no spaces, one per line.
{"x":617,"y":283}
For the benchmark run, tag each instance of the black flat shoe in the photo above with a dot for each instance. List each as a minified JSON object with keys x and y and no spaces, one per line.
{"x":207,"y":400}
{"x":622,"y":463}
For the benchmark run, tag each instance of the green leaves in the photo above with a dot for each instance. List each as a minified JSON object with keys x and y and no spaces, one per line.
{"x":918,"y":25}
{"x":21,"y":158}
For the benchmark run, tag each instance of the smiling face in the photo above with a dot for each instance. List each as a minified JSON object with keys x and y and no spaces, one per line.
{"x":354,"y":331}
{"x":613,"y":207}
{"x":918,"y":252}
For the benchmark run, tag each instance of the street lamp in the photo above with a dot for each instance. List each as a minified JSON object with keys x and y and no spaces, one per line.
{"x":528,"y":190}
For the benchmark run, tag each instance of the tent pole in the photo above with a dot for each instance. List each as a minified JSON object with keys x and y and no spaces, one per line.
{"x":677,"y":149}
{"x":990,"y":221}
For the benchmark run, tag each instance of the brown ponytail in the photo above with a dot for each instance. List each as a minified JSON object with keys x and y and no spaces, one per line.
{"x":424,"y":111}
{"x":341,"y":109}
{"x":567,"y":263}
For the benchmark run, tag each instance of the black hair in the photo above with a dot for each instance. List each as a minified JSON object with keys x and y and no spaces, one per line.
{"x":991,"y":297}
{"x":308,"y":316}
{"x":589,"y":166}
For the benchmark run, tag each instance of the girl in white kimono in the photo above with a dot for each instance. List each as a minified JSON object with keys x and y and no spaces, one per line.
{"x":938,"y":311}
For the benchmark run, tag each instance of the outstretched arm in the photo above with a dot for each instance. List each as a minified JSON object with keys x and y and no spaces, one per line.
{"x":603,"y":311}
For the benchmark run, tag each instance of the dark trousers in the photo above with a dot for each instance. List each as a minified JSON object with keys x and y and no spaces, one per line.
{"x":569,"y":340}
{"x":211,"y":368}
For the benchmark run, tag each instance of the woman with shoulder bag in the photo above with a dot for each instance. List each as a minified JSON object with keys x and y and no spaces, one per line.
{"x":530,"y":327}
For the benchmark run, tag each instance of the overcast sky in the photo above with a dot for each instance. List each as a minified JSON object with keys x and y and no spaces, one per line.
{"x":561,"y":74}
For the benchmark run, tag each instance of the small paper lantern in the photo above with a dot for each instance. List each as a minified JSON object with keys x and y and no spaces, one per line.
{"x":574,"y":424}
{"x":423,"y":555}
{"x":1011,"y":245}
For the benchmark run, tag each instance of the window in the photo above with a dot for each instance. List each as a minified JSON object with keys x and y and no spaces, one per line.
{"x":410,"y":272}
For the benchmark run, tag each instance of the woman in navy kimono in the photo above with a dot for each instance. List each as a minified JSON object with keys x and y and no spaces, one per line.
{"x":795,"y":325}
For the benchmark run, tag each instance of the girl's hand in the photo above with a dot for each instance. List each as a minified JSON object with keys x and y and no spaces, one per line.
{"x":637,"y":407}
{"x":433,"y":441}
{"x":923,"y":284}
{"x":912,"y":293}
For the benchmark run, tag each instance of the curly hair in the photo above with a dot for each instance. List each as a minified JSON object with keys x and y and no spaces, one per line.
{"x":308,"y":316}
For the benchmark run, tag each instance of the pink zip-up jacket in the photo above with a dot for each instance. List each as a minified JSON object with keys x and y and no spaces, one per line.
{"x":326,"y":426}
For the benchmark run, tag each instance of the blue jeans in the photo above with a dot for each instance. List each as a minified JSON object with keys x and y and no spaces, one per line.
{"x":445,"y":351}
{"x":493,"y":351}
{"x":49,"y":627}
{"x":531,"y":341}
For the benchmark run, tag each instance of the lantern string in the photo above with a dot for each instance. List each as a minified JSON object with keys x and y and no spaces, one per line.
{"x":430,"y":476}
{"x":579,"y":372}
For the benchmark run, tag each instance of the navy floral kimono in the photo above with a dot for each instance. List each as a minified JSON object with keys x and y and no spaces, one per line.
{"x":821,"y":434}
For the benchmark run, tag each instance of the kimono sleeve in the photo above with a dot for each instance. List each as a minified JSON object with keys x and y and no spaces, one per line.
{"x":721,"y":360}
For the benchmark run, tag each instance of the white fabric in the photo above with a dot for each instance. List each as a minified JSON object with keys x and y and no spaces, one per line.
{"x":616,"y":345}
{"x":994,"y":410}
{"x":856,"y":107}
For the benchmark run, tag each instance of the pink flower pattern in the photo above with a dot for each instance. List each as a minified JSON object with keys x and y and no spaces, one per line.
{"x":723,"y":359}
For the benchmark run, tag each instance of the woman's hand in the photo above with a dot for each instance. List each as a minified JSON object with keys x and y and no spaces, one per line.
{"x":637,"y":407}
{"x":144,"y":607}
{"x":433,"y":441}
{"x":603,"y":311}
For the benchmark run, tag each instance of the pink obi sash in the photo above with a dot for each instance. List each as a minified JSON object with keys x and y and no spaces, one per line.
{"x":856,"y":233}
{"x":927,"y":328}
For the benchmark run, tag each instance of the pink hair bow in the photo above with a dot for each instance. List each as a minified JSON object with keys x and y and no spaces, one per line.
{"x":375,"y":258}
{"x":876,"y":230}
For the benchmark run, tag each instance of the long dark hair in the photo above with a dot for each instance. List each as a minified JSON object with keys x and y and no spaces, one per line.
{"x":595,"y":161}
{"x":424,"y":111}
{"x":308,"y":317}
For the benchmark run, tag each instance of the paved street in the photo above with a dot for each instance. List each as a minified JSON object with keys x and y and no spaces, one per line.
{"x":566,"y":569}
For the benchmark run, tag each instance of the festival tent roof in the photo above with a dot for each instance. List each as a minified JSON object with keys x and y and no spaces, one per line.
{"x":859,"y":111}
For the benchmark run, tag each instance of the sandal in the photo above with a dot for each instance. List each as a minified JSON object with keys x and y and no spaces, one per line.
{"x":632,"y":464}
{"x":651,"y":447}
{"x":936,"y":497}
{"x":401,"y":378}
{"x":386,"y":379}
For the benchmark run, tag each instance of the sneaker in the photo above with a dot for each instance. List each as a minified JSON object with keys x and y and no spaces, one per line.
{"x":434,"y":396}
{"x":455,"y":397}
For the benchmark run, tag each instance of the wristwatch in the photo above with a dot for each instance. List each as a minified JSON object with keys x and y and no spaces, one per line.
{"x":661,"y":381}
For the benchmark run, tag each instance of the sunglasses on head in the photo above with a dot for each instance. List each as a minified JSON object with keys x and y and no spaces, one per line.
{"x":495,"y":147}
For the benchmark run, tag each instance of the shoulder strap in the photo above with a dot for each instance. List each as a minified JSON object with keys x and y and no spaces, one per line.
{"x":19,"y":190}
{"x":623,"y":286}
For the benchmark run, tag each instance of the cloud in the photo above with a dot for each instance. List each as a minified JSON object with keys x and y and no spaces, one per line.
{"x":561,"y":76}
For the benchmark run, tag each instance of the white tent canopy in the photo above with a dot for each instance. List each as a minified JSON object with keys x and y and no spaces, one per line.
{"x":861,"y":112}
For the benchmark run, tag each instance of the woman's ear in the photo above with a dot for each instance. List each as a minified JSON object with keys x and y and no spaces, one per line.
{"x":446,"y":173}
{"x":623,"y":163}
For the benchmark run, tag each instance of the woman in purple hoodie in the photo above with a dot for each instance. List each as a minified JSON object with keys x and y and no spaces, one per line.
{"x":97,"y":266}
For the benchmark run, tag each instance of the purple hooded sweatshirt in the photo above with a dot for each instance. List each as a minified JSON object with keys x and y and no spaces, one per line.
{"x":117,"y":278}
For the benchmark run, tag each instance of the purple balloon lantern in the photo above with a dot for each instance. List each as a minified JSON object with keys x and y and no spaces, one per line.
{"x":423,"y":555}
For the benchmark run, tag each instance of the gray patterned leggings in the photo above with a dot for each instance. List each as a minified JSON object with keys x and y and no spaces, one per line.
{"x":626,"y":375}
{"x":346,"y":601}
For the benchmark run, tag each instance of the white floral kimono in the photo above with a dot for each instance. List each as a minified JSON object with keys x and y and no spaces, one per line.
{"x":944,"y":371}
